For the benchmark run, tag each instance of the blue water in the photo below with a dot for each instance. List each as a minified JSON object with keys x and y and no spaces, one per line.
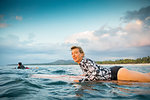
{"x":17,"y":84}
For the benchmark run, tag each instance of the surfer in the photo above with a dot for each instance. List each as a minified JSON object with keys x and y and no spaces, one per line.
{"x":95,"y":72}
{"x":21,"y":66}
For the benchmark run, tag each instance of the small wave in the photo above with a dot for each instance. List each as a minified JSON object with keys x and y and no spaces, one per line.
{"x":18,"y":91}
{"x":59,"y":72}
{"x":6,"y":83}
{"x":57,"y":83}
{"x":32,"y":84}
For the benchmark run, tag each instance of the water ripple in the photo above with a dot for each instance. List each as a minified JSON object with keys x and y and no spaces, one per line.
{"x":18,"y":85}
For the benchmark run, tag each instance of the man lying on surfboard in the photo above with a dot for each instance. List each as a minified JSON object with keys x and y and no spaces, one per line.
{"x":95,"y":72}
{"x":21,"y":66}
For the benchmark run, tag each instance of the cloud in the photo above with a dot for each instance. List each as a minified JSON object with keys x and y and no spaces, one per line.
{"x":14,"y":49}
{"x":1,"y":17}
{"x":132,"y":35}
{"x":83,"y":36}
{"x":19,"y":18}
{"x":142,"y":14}
{"x":3,"y":25}
{"x":147,"y":18}
{"x":135,"y":33}
{"x":128,"y":41}
{"x":2,"y":22}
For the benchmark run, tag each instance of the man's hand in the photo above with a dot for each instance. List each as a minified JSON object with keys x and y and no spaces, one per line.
{"x":76,"y":81}
{"x":82,"y":75}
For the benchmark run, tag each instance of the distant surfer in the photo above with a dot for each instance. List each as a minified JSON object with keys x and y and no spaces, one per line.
{"x":95,"y":72}
{"x":21,"y":66}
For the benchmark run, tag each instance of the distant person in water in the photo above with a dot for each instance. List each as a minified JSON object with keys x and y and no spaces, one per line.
{"x":95,"y":72}
{"x":21,"y":66}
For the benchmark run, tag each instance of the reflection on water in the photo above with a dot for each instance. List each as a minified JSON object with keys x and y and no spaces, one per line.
{"x":112,"y":89}
{"x":138,"y":88}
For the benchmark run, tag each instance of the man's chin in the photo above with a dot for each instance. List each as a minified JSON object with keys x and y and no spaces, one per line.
{"x":75,"y":61}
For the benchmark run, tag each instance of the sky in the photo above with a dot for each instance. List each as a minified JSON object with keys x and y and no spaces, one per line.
{"x":43,"y":31}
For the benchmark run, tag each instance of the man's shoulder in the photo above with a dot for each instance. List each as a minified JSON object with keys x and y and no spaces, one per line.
{"x":22,"y":66}
{"x":87,"y":60}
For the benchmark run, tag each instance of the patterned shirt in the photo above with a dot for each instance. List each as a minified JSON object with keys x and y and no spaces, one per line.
{"x":93,"y":72}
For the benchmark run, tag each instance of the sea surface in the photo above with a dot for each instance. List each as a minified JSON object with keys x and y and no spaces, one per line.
{"x":17,"y":84}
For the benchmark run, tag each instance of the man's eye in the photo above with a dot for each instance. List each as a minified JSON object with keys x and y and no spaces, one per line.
{"x":76,"y":52}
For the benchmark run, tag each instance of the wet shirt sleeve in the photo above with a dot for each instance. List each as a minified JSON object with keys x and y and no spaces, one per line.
{"x":22,"y":67}
{"x":93,"y":72}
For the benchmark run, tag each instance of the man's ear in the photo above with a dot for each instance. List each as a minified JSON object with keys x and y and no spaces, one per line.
{"x":82,"y":54}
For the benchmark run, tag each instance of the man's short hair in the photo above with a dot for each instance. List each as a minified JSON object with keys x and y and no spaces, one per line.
{"x":80,"y":49}
{"x":20,"y":63}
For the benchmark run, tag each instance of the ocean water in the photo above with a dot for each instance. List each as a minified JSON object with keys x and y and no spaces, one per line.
{"x":17,"y":84}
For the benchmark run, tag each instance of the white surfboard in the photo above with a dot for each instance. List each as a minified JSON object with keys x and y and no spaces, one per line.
{"x":57,"y":77}
{"x":68,"y":78}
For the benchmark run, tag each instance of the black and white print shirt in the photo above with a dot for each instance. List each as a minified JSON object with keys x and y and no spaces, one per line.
{"x":93,"y":72}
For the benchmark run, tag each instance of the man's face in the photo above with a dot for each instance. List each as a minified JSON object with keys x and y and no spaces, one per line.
{"x":76,"y":55}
